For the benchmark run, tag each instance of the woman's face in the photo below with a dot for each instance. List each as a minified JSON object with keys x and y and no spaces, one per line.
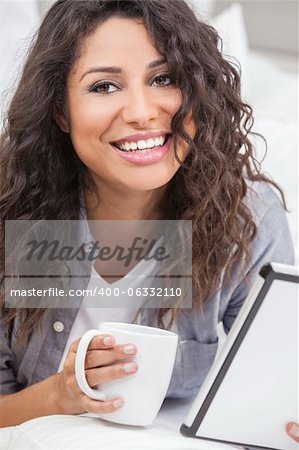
{"x":120,"y":103}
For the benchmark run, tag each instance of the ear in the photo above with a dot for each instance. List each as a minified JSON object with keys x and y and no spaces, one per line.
{"x":62,"y":121}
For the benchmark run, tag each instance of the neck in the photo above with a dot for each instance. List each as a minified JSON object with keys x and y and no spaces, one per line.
{"x":117,"y":204}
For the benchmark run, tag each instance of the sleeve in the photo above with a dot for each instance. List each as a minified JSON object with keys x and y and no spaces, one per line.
{"x":8,"y":382}
{"x":272,"y":243}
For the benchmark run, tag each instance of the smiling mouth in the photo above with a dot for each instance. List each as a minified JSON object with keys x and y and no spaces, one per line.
{"x":142,"y":146}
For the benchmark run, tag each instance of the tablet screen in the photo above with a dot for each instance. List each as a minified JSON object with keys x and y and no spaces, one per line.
{"x":252,"y":389}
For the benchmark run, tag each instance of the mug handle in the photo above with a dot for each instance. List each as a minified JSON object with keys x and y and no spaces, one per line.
{"x":95,"y":394}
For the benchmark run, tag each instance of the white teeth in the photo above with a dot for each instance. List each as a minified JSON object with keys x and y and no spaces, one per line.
{"x":143,"y":145}
{"x":150,"y":143}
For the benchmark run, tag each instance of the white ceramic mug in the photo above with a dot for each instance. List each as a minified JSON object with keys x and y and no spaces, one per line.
{"x":143,"y":392}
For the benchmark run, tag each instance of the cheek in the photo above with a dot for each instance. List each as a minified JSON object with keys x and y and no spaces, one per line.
{"x":89,"y":118}
{"x":86,"y":126}
{"x":174,"y":102}
{"x":190,"y":126}
{"x":86,"y":122}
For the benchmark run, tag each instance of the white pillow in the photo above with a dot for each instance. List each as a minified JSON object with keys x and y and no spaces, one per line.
{"x":204,"y":9}
{"x":18,"y":22}
{"x":230,"y":26}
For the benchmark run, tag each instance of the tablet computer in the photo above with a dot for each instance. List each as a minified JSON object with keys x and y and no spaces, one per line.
{"x":251,"y":391}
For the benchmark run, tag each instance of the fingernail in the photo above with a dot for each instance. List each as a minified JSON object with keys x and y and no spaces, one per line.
{"x":118,"y":403}
{"x":130,"y":367}
{"x":129,"y":349}
{"x":294,"y":430}
{"x":108,"y":340}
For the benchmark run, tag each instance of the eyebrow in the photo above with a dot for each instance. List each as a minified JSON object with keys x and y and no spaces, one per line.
{"x":114,"y":69}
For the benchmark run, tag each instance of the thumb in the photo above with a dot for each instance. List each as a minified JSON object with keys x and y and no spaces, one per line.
{"x":292,"y":429}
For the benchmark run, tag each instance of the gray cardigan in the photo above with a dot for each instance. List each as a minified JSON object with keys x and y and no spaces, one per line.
{"x":198,"y":336}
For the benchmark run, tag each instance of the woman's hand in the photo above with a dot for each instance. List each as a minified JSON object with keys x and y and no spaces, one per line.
{"x":104,"y":362}
{"x":292,"y":429}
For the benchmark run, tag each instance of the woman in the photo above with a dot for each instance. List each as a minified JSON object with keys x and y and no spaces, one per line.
{"x":127,"y":111}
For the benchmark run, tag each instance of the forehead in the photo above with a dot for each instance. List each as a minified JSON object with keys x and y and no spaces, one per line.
{"x":117,"y":41}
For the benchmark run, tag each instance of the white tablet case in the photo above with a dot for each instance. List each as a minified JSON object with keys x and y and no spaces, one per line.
{"x":251,"y":391}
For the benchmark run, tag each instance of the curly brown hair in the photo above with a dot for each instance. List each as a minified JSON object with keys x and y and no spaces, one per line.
{"x":210,"y":186}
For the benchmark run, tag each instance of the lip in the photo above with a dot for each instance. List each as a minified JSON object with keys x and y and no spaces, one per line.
{"x":152,"y":157}
{"x":142,"y":136}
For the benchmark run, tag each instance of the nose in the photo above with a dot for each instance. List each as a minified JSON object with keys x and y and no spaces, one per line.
{"x":141,"y":107}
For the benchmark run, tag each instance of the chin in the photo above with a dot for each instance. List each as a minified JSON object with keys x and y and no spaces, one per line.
{"x":149,"y":183}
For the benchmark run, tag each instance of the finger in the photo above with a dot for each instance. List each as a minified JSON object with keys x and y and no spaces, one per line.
{"x":292,"y":429}
{"x":96,"y":358}
{"x":104,"y":374}
{"x":74,"y":346}
{"x":102,"y":407}
{"x":101,"y":341}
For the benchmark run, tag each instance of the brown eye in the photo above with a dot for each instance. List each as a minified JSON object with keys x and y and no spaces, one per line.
{"x":103,"y":88}
{"x":163,"y":80}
